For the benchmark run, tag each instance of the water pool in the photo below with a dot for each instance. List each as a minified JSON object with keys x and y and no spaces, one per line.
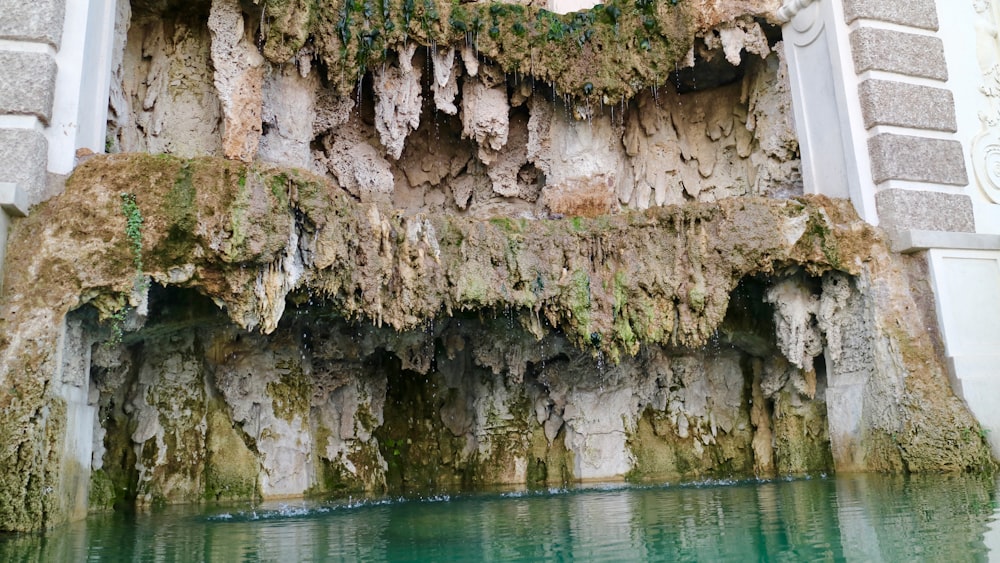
{"x":844,"y":518}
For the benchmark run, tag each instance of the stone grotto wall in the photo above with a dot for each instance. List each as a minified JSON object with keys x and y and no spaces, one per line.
{"x":411,"y":246}
{"x":447,"y":128}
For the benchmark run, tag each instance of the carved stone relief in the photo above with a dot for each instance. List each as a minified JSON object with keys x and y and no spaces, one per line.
{"x":804,"y":17}
{"x":986,"y":146}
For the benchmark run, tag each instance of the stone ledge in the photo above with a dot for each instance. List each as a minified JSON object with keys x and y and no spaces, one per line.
{"x":919,"y":159}
{"x":35,"y":20}
{"x":13,"y":200}
{"x":27,"y":84}
{"x":914,"y":13}
{"x":885,"y":102}
{"x":914,"y":240}
{"x":897,"y":52}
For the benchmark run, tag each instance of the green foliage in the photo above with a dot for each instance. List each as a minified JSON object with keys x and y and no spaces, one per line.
{"x":117,"y":320}
{"x":133,"y":228}
{"x":133,"y":232}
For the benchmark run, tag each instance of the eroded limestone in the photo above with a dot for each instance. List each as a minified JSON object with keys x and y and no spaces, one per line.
{"x":605,"y":303}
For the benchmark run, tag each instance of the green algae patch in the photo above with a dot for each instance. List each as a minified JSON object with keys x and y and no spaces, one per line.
{"x":609,"y":52}
{"x":231,"y":470}
{"x":291,"y":392}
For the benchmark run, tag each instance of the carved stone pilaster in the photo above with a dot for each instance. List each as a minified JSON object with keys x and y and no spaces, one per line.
{"x":986,"y":145}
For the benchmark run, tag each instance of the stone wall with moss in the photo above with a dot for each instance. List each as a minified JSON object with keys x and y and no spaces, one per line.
{"x":452,"y":244}
{"x":576,"y":120}
{"x":346,"y":345}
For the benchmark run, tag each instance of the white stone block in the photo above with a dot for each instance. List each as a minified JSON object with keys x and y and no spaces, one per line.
{"x":13,"y":200}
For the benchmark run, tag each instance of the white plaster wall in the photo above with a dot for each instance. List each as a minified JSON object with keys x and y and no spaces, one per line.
{"x":63,"y":128}
{"x":95,"y":85}
{"x":828,"y":120}
{"x":967,"y":286}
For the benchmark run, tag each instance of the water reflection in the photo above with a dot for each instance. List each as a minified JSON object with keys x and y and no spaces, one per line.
{"x":851,"y":518}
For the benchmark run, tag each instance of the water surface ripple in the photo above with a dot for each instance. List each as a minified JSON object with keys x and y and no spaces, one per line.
{"x":847,"y":518}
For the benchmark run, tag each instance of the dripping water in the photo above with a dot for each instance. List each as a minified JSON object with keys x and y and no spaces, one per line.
{"x":677,"y":79}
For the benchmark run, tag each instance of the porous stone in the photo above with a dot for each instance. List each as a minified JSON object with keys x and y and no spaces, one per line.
{"x":799,"y":339}
{"x":920,"y":159}
{"x":398,"y":101}
{"x":629,"y":310}
{"x":445,"y":85}
{"x":23,"y":159}
{"x":27,"y":84}
{"x":925,"y":211}
{"x":359,"y":168}
{"x":591,"y":196}
{"x":288,"y":114}
{"x":485,"y":117}
{"x":885,"y":102}
{"x":40,"y":21}
{"x":509,"y":174}
{"x":915,"y":13}
{"x":168,"y":102}
{"x":743,"y":35}
{"x":238,"y":78}
{"x":898,"y":52}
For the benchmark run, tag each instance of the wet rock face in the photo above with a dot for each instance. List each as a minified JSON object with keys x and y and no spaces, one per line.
{"x":623,"y":344}
{"x":196,"y":408}
{"x":439,"y":253}
{"x":436,"y":124}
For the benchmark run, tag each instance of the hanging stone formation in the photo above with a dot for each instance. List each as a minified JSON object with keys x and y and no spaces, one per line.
{"x":397,"y":246}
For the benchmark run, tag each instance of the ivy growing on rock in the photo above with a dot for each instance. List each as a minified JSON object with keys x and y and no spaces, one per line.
{"x":133,"y":232}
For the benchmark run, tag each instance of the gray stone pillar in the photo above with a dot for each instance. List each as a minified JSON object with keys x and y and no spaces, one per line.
{"x":30,"y":36}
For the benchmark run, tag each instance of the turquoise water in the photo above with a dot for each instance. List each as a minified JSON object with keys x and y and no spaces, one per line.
{"x":854,"y":518}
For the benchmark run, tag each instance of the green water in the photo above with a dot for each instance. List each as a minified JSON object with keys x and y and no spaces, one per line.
{"x":856,"y":518}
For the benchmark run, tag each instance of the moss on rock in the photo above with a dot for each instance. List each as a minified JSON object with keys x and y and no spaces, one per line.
{"x":235,"y":233}
{"x":610,"y":51}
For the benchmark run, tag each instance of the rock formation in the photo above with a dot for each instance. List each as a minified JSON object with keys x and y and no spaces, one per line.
{"x":402,"y":246}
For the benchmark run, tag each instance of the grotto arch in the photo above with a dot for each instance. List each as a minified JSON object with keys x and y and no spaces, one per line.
{"x":190,"y":407}
{"x":663,"y":279}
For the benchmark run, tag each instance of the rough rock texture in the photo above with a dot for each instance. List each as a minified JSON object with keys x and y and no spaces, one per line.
{"x":611,"y":51}
{"x":445,"y":84}
{"x":398,"y":101}
{"x":238,"y":78}
{"x":288,"y":112}
{"x":628,"y":295}
{"x":485,"y":117}
{"x":167,"y":101}
{"x":468,"y":291}
{"x":453,"y":137}
{"x":324,"y":405}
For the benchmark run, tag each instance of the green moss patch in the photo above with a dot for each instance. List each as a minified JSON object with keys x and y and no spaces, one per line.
{"x":608,"y":52}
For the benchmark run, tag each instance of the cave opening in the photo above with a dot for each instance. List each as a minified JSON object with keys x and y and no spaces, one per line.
{"x":190,"y":407}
